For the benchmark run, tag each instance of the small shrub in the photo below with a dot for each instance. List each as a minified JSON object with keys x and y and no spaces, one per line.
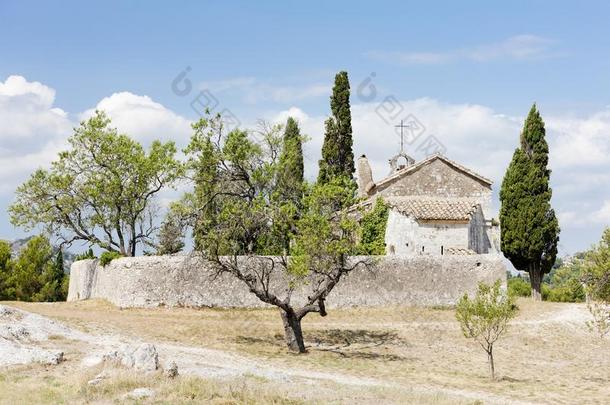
{"x":566,"y":293}
{"x":107,"y":257}
{"x":601,"y":318}
{"x":518,"y":287}
{"x":84,"y":256}
{"x":485,"y":317}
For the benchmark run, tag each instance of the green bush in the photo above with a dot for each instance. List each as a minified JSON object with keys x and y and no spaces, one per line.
{"x":373,"y":224}
{"x":107,"y":257}
{"x":518,"y":287}
{"x":84,"y":256}
{"x":566,"y":293}
{"x":485,"y":317}
{"x":565,"y":283}
{"x":36,"y":274}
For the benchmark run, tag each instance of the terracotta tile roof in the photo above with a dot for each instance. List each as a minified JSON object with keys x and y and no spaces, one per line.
{"x":433,"y":209}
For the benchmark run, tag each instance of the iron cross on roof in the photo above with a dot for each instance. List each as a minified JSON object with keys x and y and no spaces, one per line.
{"x":402,"y":136}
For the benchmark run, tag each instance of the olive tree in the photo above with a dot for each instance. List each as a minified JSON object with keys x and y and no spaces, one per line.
{"x":596,"y":276}
{"x":101,"y":190}
{"x":242,"y":220}
{"x":485,"y":317}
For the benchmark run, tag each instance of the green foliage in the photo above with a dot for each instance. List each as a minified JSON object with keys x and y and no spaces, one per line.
{"x":236,"y":205}
{"x":54,"y":280}
{"x":337,"y":153}
{"x":86,"y":255}
{"x":323,"y":237}
{"x":104,"y":184}
{"x":241,"y":216}
{"x":596,"y":272}
{"x":373,"y":226}
{"x":596,"y":275}
{"x":565,"y":284}
{"x":37,"y":274}
{"x":530,"y":231}
{"x":5,"y":270}
{"x":518,"y":287}
{"x":171,"y":233}
{"x":34,"y":260}
{"x":485,"y":317}
{"x":108,"y":256}
{"x":291,"y":169}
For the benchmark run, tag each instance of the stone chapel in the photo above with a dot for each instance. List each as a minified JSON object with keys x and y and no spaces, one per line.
{"x":437,"y":207}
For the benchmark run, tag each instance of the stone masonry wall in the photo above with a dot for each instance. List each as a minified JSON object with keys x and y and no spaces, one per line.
{"x":151,"y":281}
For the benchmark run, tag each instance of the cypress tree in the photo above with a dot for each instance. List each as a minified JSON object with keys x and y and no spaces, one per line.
{"x":337,"y":154}
{"x":529,"y":227}
{"x":290,"y":176}
{"x":53,"y":278}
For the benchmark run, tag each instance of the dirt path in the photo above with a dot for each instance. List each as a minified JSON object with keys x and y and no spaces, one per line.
{"x":26,"y":337}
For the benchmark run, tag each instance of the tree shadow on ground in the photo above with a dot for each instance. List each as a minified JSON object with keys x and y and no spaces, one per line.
{"x":355,"y":343}
{"x":347,"y":343}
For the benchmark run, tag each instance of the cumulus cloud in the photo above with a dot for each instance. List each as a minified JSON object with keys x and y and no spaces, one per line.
{"x":32,"y":129}
{"x":252,"y":90}
{"x":27,"y":111}
{"x":143,"y":118}
{"x":518,"y":47}
{"x":470,"y":133}
{"x":484,"y":140}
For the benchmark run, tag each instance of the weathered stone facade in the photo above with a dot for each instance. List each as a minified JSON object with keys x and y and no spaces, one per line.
{"x":151,"y":281}
{"x":438,"y":207}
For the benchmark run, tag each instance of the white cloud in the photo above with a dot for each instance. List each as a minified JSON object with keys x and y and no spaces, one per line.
{"x":472,"y":134}
{"x":32,"y":130}
{"x":519,"y":47}
{"x":581,"y":141}
{"x":143,"y":118}
{"x":603,"y":213}
{"x":484,"y":140}
{"x":294,"y":112}
{"x":26,"y":111}
{"x":253,"y":91}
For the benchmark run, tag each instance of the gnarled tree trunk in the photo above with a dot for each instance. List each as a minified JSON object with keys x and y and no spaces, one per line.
{"x":292,"y":331}
{"x":536,"y":281}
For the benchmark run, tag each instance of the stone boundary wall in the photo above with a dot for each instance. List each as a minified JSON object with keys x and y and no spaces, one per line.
{"x":151,"y":281}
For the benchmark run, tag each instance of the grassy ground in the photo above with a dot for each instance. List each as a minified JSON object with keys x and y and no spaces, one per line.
{"x":548,"y":356}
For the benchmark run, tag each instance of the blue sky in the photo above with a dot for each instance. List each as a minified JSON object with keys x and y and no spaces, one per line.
{"x":469,"y":72}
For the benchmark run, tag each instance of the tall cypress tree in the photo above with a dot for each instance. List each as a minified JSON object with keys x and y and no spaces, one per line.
{"x":290,"y":176}
{"x":337,"y":154}
{"x":529,"y":227}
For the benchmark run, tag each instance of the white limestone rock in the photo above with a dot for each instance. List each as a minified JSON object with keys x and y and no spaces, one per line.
{"x":140,"y":393}
{"x":143,"y":357}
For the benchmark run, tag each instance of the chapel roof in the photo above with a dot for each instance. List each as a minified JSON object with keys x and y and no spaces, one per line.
{"x":415,"y":167}
{"x":433,"y":209}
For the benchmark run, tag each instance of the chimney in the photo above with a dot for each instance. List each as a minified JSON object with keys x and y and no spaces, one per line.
{"x":365,"y":177}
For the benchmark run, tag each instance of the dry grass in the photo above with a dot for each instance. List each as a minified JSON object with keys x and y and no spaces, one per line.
{"x":547,"y":357}
{"x":36,"y":384}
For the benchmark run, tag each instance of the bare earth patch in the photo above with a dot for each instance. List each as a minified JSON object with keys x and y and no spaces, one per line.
{"x":365,"y":355}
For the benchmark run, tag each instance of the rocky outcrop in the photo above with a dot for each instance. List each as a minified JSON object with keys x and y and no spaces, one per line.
{"x":143,"y":357}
